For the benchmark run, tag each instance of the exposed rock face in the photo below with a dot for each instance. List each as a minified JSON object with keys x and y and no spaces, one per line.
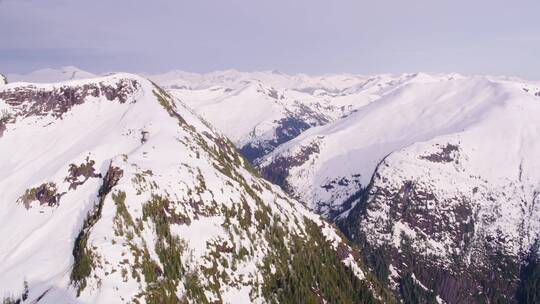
{"x":287,"y":129}
{"x":38,"y":100}
{"x":445,"y":155}
{"x":297,"y":119}
{"x":278,"y":170}
{"x":85,"y":171}
{"x":46,"y":194}
{"x":110,"y":180}
{"x":5,"y":118}
{"x":445,"y":233}
{"x":3,"y":79}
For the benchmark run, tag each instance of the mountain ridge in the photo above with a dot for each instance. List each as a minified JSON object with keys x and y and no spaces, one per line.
{"x":432,"y":176}
{"x":115,"y":190}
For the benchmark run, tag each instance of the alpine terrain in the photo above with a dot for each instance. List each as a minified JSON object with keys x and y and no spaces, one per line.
{"x":114,"y":191}
{"x":435,"y":177}
{"x":266,"y":109}
{"x":180,"y":152}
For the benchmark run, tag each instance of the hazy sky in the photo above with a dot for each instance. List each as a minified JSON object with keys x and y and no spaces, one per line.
{"x":312,"y":36}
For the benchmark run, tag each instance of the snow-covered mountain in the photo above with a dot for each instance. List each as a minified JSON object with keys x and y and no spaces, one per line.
{"x":259,"y":111}
{"x":51,"y":75}
{"x":114,"y":191}
{"x":435,"y":177}
{"x":439,"y":179}
{"x":340,"y":158}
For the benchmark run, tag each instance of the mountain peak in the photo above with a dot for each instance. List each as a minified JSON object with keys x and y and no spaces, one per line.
{"x":116,"y":190}
{"x":56,"y":99}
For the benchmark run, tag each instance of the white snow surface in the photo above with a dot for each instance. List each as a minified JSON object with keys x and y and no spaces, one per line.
{"x":247,"y":107}
{"x":492,"y":120}
{"x":450,"y":164}
{"x":51,"y":75}
{"x":395,"y":126}
{"x":160,"y":155}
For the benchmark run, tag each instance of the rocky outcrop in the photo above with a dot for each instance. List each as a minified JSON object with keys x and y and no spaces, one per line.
{"x":45,"y":194}
{"x":277,"y":170}
{"x":79,"y":174}
{"x":445,"y":234}
{"x":110,"y":180}
{"x":445,"y":155}
{"x":5,"y":118}
{"x":34,"y":100}
{"x":287,"y":128}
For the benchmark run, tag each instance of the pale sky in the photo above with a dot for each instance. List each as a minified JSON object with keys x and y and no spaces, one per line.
{"x":310,"y":36}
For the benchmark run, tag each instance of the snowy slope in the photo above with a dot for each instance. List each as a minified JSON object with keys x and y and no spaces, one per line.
{"x":113,"y":191}
{"x":349,"y":149}
{"x":442,"y":169}
{"x":51,"y":75}
{"x":262,"y":110}
{"x":326,"y":165}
